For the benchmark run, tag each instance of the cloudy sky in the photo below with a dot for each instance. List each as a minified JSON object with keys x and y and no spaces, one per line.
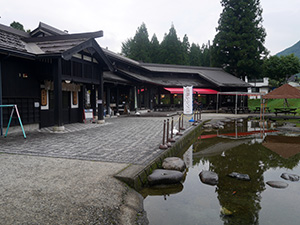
{"x":119,"y":19}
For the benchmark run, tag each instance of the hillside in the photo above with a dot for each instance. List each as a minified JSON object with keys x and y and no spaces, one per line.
{"x":293,"y":49}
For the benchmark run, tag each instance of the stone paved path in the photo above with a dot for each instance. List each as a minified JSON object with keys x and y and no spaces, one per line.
{"x":124,"y":140}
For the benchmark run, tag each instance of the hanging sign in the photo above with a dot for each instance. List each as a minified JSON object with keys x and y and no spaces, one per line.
{"x":188,"y":100}
{"x":43,"y":97}
{"x":75,"y":97}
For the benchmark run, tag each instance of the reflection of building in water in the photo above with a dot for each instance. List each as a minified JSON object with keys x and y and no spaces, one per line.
{"x":188,"y":157}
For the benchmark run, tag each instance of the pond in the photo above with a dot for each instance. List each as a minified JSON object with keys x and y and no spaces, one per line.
{"x":242,"y":148}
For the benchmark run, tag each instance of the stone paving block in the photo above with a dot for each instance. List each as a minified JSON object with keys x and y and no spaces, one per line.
{"x":132,"y":140}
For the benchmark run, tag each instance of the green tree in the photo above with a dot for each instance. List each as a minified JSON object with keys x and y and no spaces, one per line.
{"x":205,"y":55}
{"x":154,"y":50}
{"x":195,"y":55}
{"x":138,"y":47}
{"x":171,"y":48}
{"x":280,"y":68}
{"x":238,"y":46}
{"x":17,"y":26}
{"x":185,"y":50}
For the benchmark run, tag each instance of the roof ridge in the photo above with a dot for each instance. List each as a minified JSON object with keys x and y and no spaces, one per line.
{"x":14,"y":31}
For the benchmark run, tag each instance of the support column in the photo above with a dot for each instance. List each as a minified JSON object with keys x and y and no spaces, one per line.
{"x":100,"y":99}
{"x":118,"y":101}
{"x":81,"y":103}
{"x":58,"y":112}
{"x":135,"y":98}
{"x":93,"y":100}
{"x":158,"y":97}
{"x":1,"y":114}
{"x":139,"y":98}
{"x":107,"y":100}
{"x":150,"y":98}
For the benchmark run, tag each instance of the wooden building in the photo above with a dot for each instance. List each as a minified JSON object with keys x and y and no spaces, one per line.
{"x":161,"y":85}
{"x":52,"y":76}
{"x":47,"y":73}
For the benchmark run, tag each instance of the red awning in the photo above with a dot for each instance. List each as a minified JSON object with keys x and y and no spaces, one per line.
{"x":195,"y":91}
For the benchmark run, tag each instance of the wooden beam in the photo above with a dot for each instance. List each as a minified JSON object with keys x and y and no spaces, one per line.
{"x":57,"y":78}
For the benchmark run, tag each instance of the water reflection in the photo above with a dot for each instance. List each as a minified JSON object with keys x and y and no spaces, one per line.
{"x":236,"y":148}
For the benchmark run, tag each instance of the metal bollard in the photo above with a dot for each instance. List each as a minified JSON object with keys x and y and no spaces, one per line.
{"x":179,"y":122}
{"x":195,"y":123}
{"x":199,"y":118}
{"x":167,"y":140}
{"x":182,"y":128}
{"x":163,"y":145}
{"x":171,"y":139}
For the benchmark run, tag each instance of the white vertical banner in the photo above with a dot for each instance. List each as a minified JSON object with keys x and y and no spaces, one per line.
{"x":188,"y":100}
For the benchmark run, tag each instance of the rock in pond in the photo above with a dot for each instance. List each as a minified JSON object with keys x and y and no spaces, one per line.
{"x":208,"y":125}
{"x":209,"y":177}
{"x":291,"y":177}
{"x":239,"y":176}
{"x":173,"y":163}
{"x":160,"y":176}
{"x":277,"y":184}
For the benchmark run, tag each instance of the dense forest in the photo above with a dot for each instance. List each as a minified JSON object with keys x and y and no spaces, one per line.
{"x":170,"y":51}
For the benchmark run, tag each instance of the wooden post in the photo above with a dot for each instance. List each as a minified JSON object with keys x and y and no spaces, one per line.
{"x":57,"y":79}
{"x":163,"y":145}
{"x":172,"y":127}
{"x":182,"y":128}
{"x":179,"y":123}
{"x":100,"y":98}
{"x":1,"y":114}
{"x":93,"y":99}
{"x":168,"y":126}
{"x":117,"y":101}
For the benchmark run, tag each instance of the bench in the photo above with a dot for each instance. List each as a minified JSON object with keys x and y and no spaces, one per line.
{"x":228,"y":109}
{"x":257,"y":109}
{"x":285,"y":111}
{"x":243,"y":110}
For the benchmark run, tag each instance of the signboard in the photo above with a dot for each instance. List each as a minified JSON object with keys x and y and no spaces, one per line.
{"x":43,"y":97}
{"x":88,"y":115}
{"x":75,"y":97}
{"x":188,"y":100}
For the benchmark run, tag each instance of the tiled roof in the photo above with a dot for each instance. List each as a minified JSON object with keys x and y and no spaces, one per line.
{"x":11,"y":41}
{"x":215,"y":75}
{"x":59,"y":46}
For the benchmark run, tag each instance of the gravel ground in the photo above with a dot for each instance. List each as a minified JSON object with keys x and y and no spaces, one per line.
{"x":40,"y":190}
{"x":47,"y":190}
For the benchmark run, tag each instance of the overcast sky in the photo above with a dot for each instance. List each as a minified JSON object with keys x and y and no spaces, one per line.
{"x":119,"y":19}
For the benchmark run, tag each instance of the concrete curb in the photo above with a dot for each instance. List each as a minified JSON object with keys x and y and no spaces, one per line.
{"x":136,"y":175}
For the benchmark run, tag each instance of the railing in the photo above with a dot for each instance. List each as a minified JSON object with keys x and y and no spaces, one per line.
{"x":168,"y":129}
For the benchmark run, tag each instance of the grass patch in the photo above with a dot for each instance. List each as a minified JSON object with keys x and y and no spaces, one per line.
{"x":275,"y":103}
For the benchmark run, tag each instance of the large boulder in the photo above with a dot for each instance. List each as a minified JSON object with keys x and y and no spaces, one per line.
{"x":160,"y":176}
{"x":209,"y":177}
{"x":173,"y":163}
{"x":277,"y":184}
{"x":291,"y":177}
{"x":239,"y":176}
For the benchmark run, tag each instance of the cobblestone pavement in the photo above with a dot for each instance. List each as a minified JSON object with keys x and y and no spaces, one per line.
{"x":124,"y":140}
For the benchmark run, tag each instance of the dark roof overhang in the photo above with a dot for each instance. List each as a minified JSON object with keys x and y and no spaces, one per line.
{"x":91,"y":43}
{"x":12,"y":52}
{"x":64,"y":37}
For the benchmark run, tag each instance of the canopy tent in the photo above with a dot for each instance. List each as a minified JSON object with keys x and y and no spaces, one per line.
{"x":284,"y":91}
{"x":236,"y":97}
{"x":195,"y":91}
